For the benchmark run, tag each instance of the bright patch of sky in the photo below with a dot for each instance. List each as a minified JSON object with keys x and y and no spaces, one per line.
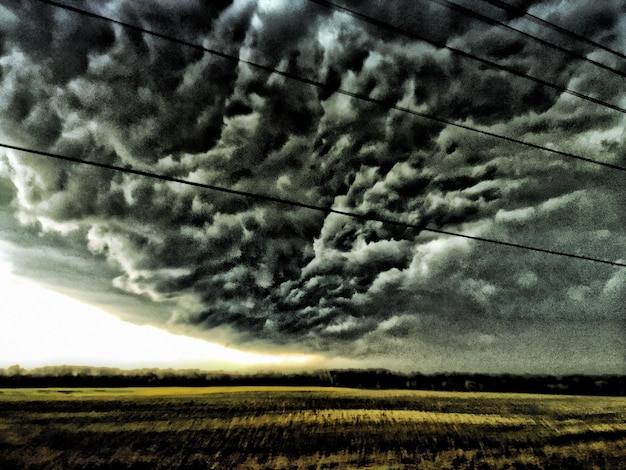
{"x":40,"y":327}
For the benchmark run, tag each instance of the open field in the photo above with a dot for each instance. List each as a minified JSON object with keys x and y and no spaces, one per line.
{"x":307,"y":428}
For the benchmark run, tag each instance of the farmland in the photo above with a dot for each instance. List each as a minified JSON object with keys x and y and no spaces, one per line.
{"x":307,"y":428}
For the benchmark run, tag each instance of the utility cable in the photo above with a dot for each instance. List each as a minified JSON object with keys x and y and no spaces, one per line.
{"x":485,"y":19}
{"x":521,"y":12}
{"x":396,"y":29}
{"x":325,"y":86}
{"x":313,"y":207}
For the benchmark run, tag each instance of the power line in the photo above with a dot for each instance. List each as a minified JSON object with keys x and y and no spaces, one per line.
{"x":313,"y":207}
{"x":485,"y":19}
{"x":462,"y":53}
{"x":521,"y":12}
{"x":325,"y":86}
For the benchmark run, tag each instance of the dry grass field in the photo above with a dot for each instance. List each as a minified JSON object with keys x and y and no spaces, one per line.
{"x":306,"y":428}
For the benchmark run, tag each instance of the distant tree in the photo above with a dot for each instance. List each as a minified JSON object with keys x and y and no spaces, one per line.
{"x":16,"y":370}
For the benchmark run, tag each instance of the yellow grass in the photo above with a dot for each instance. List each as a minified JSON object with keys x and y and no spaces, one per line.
{"x":307,"y":428}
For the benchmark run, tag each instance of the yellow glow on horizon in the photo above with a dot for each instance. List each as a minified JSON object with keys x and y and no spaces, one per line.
{"x":40,"y":327}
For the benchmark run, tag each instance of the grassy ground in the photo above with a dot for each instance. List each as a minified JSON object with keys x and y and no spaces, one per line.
{"x":307,"y":428}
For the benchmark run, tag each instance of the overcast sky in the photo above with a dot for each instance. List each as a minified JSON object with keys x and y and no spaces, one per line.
{"x":266,"y":277}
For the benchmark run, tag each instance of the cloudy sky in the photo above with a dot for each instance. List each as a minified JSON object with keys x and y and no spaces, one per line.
{"x":284,"y":281}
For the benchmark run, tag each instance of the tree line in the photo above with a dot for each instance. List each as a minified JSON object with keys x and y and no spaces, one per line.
{"x":90,"y":377}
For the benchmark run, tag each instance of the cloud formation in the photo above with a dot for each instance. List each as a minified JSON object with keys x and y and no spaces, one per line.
{"x":283,"y":276}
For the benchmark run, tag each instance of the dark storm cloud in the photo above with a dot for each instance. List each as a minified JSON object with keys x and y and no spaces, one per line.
{"x":278,"y":275}
{"x":54,"y":34}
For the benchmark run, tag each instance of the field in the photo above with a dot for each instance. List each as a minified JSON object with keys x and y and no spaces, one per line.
{"x":307,"y":428}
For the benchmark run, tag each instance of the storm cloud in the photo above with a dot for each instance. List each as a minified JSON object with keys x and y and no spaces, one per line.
{"x":277,"y":276}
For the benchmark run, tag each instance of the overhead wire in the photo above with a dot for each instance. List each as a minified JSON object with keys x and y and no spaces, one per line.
{"x":324,"y":86}
{"x":486,"y":19}
{"x":326,"y":210}
{"x":460,"y":52}
{"x":521,"y":12}
{"x":304,"y":205}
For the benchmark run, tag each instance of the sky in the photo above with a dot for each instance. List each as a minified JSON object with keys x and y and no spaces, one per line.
{"x":70,"y":326}
{"x":107,"y":268}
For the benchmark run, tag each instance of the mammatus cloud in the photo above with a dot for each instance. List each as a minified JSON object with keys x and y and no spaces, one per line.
{"x":279,"y":275}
